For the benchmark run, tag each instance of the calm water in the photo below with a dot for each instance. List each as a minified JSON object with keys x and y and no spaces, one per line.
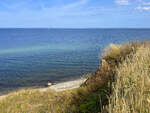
{"x":32,"y":57}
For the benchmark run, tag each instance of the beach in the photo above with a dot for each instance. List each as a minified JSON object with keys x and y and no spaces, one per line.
{"x":65,"y":85}
{"x":62,"y":86}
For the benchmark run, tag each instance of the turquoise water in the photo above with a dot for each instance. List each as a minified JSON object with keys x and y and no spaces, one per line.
{"x":32,"y":57}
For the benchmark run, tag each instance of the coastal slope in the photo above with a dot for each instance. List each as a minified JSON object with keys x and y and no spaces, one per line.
{"x":120,"y":85}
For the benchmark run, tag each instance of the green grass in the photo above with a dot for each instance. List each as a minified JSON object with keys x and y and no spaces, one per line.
{"x":108,"y":89}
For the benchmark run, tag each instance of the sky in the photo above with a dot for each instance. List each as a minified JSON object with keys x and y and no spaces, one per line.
{"x":74,"y":13}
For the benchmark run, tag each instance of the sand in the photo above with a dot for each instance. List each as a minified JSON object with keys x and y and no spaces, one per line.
{"x":60,"y":86}
{"x":65,"y":85}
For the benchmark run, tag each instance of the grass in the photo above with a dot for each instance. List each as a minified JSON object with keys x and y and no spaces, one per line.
{"x":131,"y":91}
{"x":120,"y":85}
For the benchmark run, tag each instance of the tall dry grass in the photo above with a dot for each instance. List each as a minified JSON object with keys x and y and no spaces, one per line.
{"x":131,"y":90}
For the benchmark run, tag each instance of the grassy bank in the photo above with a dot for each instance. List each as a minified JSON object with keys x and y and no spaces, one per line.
{"x":131,"y":89}
{"x":120,"y":85}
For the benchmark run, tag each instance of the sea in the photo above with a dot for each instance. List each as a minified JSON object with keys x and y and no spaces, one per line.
{"x":33,"y":57}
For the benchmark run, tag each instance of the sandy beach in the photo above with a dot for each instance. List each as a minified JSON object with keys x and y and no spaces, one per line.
{"x":59,"y":86}
{"x":65,"y":85}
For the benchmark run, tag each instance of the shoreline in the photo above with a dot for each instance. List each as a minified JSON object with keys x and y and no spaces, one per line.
{"x":62,"y":86}
{"x":65,"y":85}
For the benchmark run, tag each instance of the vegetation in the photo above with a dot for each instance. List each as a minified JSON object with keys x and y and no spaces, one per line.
{"x":131,"y":89}
{"x":120,"y":85}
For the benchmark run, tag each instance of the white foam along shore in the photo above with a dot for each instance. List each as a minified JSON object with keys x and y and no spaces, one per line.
{"x":60,"y":86}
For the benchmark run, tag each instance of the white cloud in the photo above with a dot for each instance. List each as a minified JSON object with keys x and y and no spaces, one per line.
{"x":143,"y":5}
{"x":139,"y":0}
{"x":73,"y":8}
{"x":143,"y":8}
{"x":122,"y":2}
{"x":75,"y":4}
{"x":146,"y":3}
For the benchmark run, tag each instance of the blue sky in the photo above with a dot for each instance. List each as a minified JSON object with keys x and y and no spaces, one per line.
{"x":75,"y":13}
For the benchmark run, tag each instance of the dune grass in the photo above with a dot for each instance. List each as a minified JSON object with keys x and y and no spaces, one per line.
{"x":131,"y":90}
{"x":120,"y":85}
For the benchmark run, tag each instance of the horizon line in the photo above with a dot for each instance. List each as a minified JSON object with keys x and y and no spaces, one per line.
{"x":74,"y":28}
